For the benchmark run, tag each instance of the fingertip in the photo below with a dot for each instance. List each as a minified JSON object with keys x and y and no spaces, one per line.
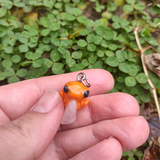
{"x":133,"y":104}
{"x":102,"y":150}
{"x":137,"y":133}
{"x":128,"y":105}
{"x":108,"y":79}
{"x":48,"y":101}
{"x":101,"y":81}
{"x":112,"y":106}
{"x":112,"y":145}
{"x":143,"y":124}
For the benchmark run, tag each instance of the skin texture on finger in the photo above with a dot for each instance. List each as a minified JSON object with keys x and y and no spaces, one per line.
{"x":105,"y":107}
{"x":28,"y":137}
{"x":131,"y":132}
{"x":19,"y":97}
{"x":3,"y":117}
{"x":109,"y":149}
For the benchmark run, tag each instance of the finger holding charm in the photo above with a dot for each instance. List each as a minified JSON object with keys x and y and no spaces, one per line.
{"x":74,"y":95}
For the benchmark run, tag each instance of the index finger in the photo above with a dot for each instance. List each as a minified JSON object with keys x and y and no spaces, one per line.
{"x":17,"y":98}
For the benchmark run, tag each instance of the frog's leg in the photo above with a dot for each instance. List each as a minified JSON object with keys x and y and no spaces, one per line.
{"x":82,"y":104}
{"x":61,"y":93}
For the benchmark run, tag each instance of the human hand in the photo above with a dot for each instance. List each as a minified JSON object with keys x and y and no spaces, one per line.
{"x":30,"y":118}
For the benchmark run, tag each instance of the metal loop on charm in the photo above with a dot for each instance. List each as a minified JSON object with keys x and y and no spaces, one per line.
{"x":81,"y":77}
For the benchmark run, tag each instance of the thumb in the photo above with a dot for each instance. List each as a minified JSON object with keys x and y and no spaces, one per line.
{"x":27,"y":137}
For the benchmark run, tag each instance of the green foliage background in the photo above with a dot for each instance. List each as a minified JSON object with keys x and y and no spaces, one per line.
{"x":62,"y":39}
{"x":45,"y":37}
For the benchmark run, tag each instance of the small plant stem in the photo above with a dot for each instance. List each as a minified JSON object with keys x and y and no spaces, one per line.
{"x":157,"y":24}
{"x":146,"y":71}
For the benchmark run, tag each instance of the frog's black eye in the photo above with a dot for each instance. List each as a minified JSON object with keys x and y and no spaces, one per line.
{"x":86,"y":94}
{"x":65,"y":89}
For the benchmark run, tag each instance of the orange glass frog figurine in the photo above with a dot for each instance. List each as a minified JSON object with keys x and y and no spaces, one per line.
{"x":74,"y":95}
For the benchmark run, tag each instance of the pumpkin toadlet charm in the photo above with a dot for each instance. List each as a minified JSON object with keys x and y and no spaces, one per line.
{"x":74,"y":95}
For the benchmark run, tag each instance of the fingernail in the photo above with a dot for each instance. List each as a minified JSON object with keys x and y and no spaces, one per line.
{"x":142,"y":117}
{"x":110,"y":137}
{"x":47,"y":102}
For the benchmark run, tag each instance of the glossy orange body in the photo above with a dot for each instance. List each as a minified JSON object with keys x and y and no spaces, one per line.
{"x":75,"y":92}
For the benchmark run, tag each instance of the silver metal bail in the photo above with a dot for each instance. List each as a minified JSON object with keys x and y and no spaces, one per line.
{"x":81,"y":77}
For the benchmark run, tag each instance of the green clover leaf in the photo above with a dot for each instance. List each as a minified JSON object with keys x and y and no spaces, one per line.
{"x":37,"y":63}
{"x":109,"y":53}
{"x":121,"y":55}
{"x":108,"y":35}
{"x":47,"y":62}
{"x":33,"y":32}
{"x":54,"y":26}
{"x":57,"y":68}
{"x":145,"y":98}
{"x":104,"y":43}
{"x":45,"y":32}
{"x":90,"y":38}
{"x":82,"y":19}
{"x":34,"y":39}
{"x":45,"y":22}
{"x":32,"y":45}
{"x":97,"y":40}
{"x":55,"y":41}
{"x":16,"y":58}
{"x":84,"y":32}
{"x":3,"y":12}
{"x":124,"y":67}
{"x":2,"y":76}
{"x":130,"y":81}
{"x":23,"y":48}
{"x":128,"y":8}
{"x":23,"y":39}
{"x":141,"y":78}
{"x":76,"y":11}
{"x":85,"y":62}
{"x":82,"y":43}
{"x":13,"y":79}
{"x":55,"y":55}
{"x":100,"y":53}
{"x":89,"y":23}
{"x":7,"y":63}
{"x":28,"y":55}
{"x":112,"y":61}
{"x":46,"y":40}
{"x":26,"y":63}
{"x":140,"y":6}
{"x":35,"y":56}
{"x":69,"y":17}
{"x":132,"y":70}
{"x":63,"y":50}
{"x":77,"y":67}
{"x":3,"y":31}
{"x":100,"y":30}
{"x":91,"y":47}
{"x":8,"y":49}
{"x":111,"y":7}
{"x":9,"y":72}
{"x":92,"y":59}
{"x":7,"y":4}
{"x":22,"y":72}
{"x":131,"y":2}
{"x":77,"y":54}
{"x":112,"y":46}
{"x":26,"y":34}
{"x":70,"y":62}
{"x":31,"y":74}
